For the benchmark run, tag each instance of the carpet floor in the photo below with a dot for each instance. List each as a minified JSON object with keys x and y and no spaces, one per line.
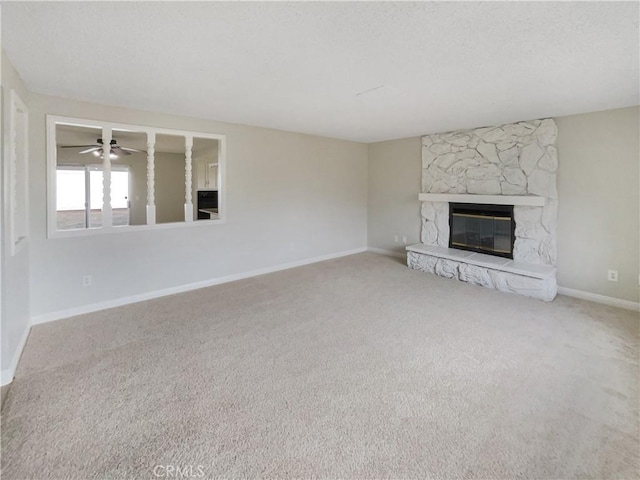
{"x":351,"y":368}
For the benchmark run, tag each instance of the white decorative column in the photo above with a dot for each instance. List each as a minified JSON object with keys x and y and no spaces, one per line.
{"x":107,"y":215}
{"x":188,"y":202}
{"x":151,"y":197}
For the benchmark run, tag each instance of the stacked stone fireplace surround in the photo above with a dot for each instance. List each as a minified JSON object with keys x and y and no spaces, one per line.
{"x":517,"y":160}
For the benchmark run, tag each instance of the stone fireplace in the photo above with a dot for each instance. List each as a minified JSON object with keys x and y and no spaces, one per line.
{"x":483,"y":173}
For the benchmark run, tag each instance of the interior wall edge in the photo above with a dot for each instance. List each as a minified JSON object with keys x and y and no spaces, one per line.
{"x":6,"y":376}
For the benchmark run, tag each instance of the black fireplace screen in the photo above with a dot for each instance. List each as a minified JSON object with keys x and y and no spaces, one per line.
{"x":482,"y":228}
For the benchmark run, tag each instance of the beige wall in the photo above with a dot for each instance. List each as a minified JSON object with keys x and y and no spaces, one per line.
{"x":598,"y":188}
{"x":394,"y":184}
{"x":598,"y":185}
{"x":290,"y":197}
{"x":170,"y":187}
{"x":137,"y":188}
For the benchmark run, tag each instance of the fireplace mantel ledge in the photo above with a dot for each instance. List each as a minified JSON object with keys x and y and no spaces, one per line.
{"x":528,"y":200}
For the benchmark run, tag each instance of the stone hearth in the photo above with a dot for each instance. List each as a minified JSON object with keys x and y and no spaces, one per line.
{"x":537,"y":281}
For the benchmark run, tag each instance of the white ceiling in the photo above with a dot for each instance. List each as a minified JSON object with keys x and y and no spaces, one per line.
{"x":300,"y":66}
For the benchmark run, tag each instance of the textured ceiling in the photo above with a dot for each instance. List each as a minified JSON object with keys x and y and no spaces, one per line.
{"x":303,"y":66}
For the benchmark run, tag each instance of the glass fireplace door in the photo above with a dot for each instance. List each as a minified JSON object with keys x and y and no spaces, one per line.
{"x":482,"y":230}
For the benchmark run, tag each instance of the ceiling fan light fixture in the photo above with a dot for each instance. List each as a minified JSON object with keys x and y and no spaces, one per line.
{"x":100,"y":153}
{"x":116,"y":151}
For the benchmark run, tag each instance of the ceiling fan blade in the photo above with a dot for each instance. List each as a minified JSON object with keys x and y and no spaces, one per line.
{"x":119,"y":151}
{"x":92,"y":149}
{"x":78,"y":146}
{"x":128,"y":149}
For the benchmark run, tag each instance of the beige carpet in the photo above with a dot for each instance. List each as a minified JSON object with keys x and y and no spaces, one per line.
{"x":352,"y":368}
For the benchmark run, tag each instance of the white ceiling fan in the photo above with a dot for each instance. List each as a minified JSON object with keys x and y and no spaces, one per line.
{"x":98,"y":149}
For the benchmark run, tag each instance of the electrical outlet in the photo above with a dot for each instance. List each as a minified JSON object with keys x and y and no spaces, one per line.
{"x":395,"y":238}
{"x":612,"y":275}
{"x":86,"y":281}
{"x":404,"y":240}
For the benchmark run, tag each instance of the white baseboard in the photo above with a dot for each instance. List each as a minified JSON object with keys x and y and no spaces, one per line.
{"x":388,"y":253}
{"x":594,"y":297}
{"x":117,"y":302}
{"x":8,"y":373}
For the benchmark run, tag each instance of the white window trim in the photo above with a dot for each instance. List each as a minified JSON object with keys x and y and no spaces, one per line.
{"x":52,"y":230}
{"x":12,"y":184}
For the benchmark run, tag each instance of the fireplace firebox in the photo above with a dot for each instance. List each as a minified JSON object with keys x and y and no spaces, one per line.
{"x":482,"y":228}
